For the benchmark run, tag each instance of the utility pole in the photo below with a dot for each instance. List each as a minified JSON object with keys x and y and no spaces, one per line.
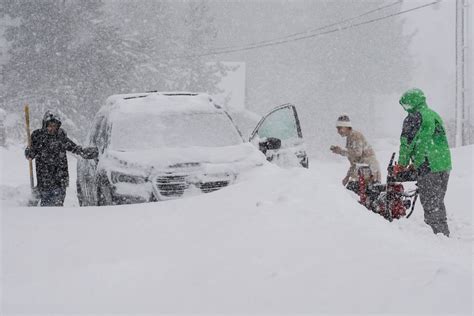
{"x":463,"y":88}
{"x":459,"y":72}
{"x":469,"y":89}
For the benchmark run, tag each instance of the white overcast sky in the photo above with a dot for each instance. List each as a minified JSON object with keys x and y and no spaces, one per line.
{"x":433,"y":49}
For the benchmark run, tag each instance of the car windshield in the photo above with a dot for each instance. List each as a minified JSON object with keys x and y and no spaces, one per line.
{"x":139,"y":131}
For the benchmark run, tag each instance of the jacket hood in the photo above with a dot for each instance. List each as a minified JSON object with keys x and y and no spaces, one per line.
{"x":49,"y":116}
{"x":413,"y":100}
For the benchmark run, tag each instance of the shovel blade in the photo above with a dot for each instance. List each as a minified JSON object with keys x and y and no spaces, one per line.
{"x":34,"y":198}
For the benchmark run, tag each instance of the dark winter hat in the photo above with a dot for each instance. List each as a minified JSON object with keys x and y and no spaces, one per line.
{"x":343,"y":121}
{"x":50,"y":117}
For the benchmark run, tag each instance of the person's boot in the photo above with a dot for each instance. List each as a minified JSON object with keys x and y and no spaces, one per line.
{"x":441,"y":228}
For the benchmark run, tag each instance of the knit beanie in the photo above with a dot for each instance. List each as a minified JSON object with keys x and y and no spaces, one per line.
{"x":343,"y":121}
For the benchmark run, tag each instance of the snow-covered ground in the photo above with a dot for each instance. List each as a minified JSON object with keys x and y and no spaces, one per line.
{"x":278,"y":241}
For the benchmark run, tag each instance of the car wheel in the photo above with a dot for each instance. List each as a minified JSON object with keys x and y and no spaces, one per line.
{"x":80,"y":197}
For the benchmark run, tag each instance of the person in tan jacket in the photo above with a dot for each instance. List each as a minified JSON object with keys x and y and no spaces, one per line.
{"x":357,"y":151}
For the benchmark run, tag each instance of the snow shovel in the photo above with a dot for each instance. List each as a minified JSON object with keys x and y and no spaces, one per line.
{"x":34,"y":198}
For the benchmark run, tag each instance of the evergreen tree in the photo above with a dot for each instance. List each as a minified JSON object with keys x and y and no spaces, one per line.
{"x":64,"y":58}
{"x":198,"y":33}
{"x":166,"y":37}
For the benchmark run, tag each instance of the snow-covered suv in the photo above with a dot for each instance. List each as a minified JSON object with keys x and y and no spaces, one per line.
{"x":158,"y":146}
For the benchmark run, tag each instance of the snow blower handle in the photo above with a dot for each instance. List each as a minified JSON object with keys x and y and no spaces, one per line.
{"x":28,"y":135}
{"x":390,"y":176}
{"x":390,"y":164}
{"x":413,"y":204}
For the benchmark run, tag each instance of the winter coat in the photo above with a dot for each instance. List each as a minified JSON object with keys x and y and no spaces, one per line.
{"x":423,"y":139}
{"x":49,"y":151}
{"x":51,"y":160}
{"x":359,"y":151}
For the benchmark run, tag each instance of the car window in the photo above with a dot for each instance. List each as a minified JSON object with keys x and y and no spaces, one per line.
{"x":280,"y":124}
{"x":139,"y":131}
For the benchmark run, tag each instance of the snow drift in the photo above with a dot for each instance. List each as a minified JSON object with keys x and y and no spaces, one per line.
{"x":278,"y":241}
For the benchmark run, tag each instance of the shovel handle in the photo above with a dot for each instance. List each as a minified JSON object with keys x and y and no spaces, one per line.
{"x":28,"y":135}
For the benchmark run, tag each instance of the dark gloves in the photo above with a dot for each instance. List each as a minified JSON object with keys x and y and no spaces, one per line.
{"x":336,"y":149}
{"x":396,"y":169}
{"x":29,"y":154}
{"x":89,"y":153}
{"x":403,"y":174}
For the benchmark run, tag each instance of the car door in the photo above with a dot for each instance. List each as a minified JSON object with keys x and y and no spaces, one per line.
{"x":87,"y":168}
{"x":278,"y":135}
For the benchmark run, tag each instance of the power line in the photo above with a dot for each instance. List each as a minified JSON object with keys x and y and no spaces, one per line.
{"x":314,"y":29}
{"x":277,"y":42}
{"x":283,"y":41}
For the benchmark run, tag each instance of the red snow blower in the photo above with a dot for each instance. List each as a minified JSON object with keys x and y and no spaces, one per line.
{"x":389,"y":200}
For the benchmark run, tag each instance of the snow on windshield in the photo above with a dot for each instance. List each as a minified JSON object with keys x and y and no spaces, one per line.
{"x":142,"y":131}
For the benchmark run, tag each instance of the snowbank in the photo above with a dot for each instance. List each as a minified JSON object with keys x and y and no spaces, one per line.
{"x":278,"y":241}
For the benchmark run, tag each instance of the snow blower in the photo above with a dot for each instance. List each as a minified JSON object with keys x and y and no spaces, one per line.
{"x":389,"y":200}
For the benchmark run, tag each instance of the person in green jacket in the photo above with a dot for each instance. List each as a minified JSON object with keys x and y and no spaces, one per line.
{"x":424,"y":145}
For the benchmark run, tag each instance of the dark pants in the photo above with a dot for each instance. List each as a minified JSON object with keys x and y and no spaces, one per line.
{"x":432,"y":189}
{"x":53,"y":197}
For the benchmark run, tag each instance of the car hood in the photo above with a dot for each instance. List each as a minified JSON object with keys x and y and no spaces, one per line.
{"x":170,"y":159}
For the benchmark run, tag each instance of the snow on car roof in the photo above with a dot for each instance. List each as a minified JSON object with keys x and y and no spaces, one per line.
{"x":158,"y":102}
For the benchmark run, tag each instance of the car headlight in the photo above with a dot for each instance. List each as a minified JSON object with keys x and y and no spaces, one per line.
{"x":116,"y":177}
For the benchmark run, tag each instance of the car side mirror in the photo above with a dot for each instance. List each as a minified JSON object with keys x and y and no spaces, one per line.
{"x":269,"y":143}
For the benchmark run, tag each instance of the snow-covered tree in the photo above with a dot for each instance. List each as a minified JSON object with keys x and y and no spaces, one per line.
{"x":63,"y":57}
{"x":196,"y":73}
{"x":167,"y":37}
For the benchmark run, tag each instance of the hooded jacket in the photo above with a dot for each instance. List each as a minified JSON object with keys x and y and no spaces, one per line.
{"x":49,"y":151}
{"x":423,"y":139}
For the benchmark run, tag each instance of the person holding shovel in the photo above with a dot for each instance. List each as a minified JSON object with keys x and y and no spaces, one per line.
{"x":48,"y":147}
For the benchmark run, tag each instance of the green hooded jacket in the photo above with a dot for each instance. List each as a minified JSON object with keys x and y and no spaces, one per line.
{"x":423,"y":139}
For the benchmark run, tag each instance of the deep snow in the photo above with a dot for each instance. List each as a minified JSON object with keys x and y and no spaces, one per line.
{"x":278,"y":241}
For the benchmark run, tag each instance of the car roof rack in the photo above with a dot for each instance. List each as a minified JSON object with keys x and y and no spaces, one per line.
{"x":135,"y":97}
{"x":179,"y":93}
{"x":126,"y":97}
